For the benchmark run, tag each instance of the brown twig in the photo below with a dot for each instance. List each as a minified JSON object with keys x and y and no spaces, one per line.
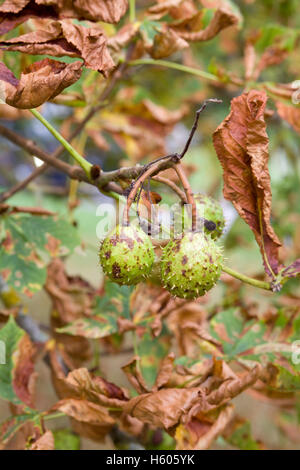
{"x":6,"y":208}
{"x":157,"y":166}
{"x":188,"y":191}
{"x":195,"y":125}
{"x":172,"y":185}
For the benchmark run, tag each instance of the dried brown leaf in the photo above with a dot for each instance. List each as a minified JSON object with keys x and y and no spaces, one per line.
{"x":165,"y":371}
{"x":72,"y":298}
{"x":188,"y":29}
{"x":199,"y":434}
{"x":166,"y":43}
{"x":40,"y":82}
{"x":84,"y":411}
{"x":293,"y":270}
{"x":289,"y":113}
{"x":133,"y":374}
{"x":163,"y":408}
{"x":45,"y":442}
{"x":15,"y":12}
{"x":241,"y":143}
{"x":63,"y":38}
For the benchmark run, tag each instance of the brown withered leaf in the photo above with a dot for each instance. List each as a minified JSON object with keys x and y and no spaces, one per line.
{"x":272,"y":55}
{"x":138,"y":126}
{"x":63,"y":38}
{"x":166,"y":43}
{"x":168,"y":407}
{"x":165,"y":371}
{"x":109,"y":11}
{"x":177,"y":9}
{"x":88,"y":419}
{"x":293,"y":270}
{"x":80,"y":383}
{"x":199,"y":434}
{"x":15,"y":12}
{"x":241,"y":143}
{"x":122,"y":37}
{"x":289,"y":113}
{"x":163,"y":408}
{"x":39,"y":83}
{"x":190,"y":29}
{"x":84,"y":411}
{"x":71,"y":298}
{"x":134,"y":376}
{"x":45,"y":442}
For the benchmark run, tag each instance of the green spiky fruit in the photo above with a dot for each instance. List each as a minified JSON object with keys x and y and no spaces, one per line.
{"x":127,"y":255}
{"x":191,"y":265}
{"x":211,"y":210}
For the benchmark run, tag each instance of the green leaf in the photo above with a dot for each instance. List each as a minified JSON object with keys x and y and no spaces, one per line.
{"x":66,"y":440}
{"x":107,"y":309}
{"x":12,"y":425}
{"x":16,"y":373}
{"x":151,"y":352}
{"x":27,"y":243}
{"x":149,"y":29}
{"x":11,"y":336}
{"x":242,"y":437}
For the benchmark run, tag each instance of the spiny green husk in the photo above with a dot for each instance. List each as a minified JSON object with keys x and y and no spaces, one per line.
{"x":127,"y":255}
{"x":191,"y":265}
{"x":210,"y":209}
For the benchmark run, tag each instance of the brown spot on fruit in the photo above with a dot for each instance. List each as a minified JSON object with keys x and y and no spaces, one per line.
{"x":184,"y":260}
{"x":116,"y":271}
{"x":107,"y":254}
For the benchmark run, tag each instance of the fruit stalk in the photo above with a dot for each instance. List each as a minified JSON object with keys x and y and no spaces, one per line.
{"x":188,"y":191}
{"x":248,"y":280}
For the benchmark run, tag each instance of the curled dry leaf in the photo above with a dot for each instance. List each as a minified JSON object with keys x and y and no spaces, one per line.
{"x":138,"y":126}
{"x":45,"y":442}
{"x":86,"y":399}
{"x":63,"y":38}
{"x":88,"y":419}
{"x":175,"y":8}
{"x":190,"y":29}
{"x":166,"y":43}
{"x":289,"y":113}
{"x":84,"y":411}
{"x":168,"y":407}
{"x":273,"y":55}
{"x":71,"y":298}
{"x":241,"y":143}
{"x":39,"y":83}
{"x":80,"y":383}
{"x":122,"y":37}
{"x":293,"y":269}
{"x":200,"y":434}
{"x":15,"y":12}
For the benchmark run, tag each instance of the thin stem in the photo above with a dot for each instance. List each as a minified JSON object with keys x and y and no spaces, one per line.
{"x":172,"y":185}
{"x":174,"y":65}
{"x":195,"y":125}
{"x":132,"y":11}
{"x":188,"y":191}
{"x":246,"y":279}
{"x":54,"y":416}
{"x":79,"y":159}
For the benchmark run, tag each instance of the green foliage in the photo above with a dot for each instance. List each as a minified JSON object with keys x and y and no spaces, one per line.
{"x":27,"y":242}
{"x":65,"y":439}
{"x":106,"y":311}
